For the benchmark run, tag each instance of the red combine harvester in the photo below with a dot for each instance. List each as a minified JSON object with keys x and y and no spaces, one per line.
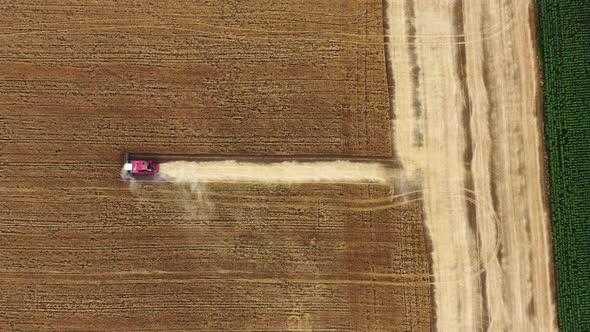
{"x":141,"y":166}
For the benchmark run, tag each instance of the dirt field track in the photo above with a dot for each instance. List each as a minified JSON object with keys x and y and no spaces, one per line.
{"x":84,"y":81}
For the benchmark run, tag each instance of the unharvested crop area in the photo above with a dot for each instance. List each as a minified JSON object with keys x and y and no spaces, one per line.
{"x":82,"y":82}
{"x":564,"y":43}
{"x":192,"y":77}
{"x":234,"y":257}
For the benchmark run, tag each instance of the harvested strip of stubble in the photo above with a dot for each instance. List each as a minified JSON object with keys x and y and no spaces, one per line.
{"x":288,"y":171}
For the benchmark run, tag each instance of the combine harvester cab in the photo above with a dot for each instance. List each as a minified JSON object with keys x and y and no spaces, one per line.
{"x":137,"y":167}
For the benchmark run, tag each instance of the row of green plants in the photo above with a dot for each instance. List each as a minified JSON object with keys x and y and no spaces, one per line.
{"x":564,"y":42}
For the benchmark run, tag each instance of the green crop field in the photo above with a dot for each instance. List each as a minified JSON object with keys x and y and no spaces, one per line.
{"x":564,"y":39}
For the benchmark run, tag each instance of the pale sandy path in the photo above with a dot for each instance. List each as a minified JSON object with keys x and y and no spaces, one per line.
{"x":465,"y":100}
{"x":279,"y":172}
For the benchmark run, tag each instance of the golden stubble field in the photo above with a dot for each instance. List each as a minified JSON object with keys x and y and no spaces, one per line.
{"x":82,"y":82}
{"x":468,"y":125}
